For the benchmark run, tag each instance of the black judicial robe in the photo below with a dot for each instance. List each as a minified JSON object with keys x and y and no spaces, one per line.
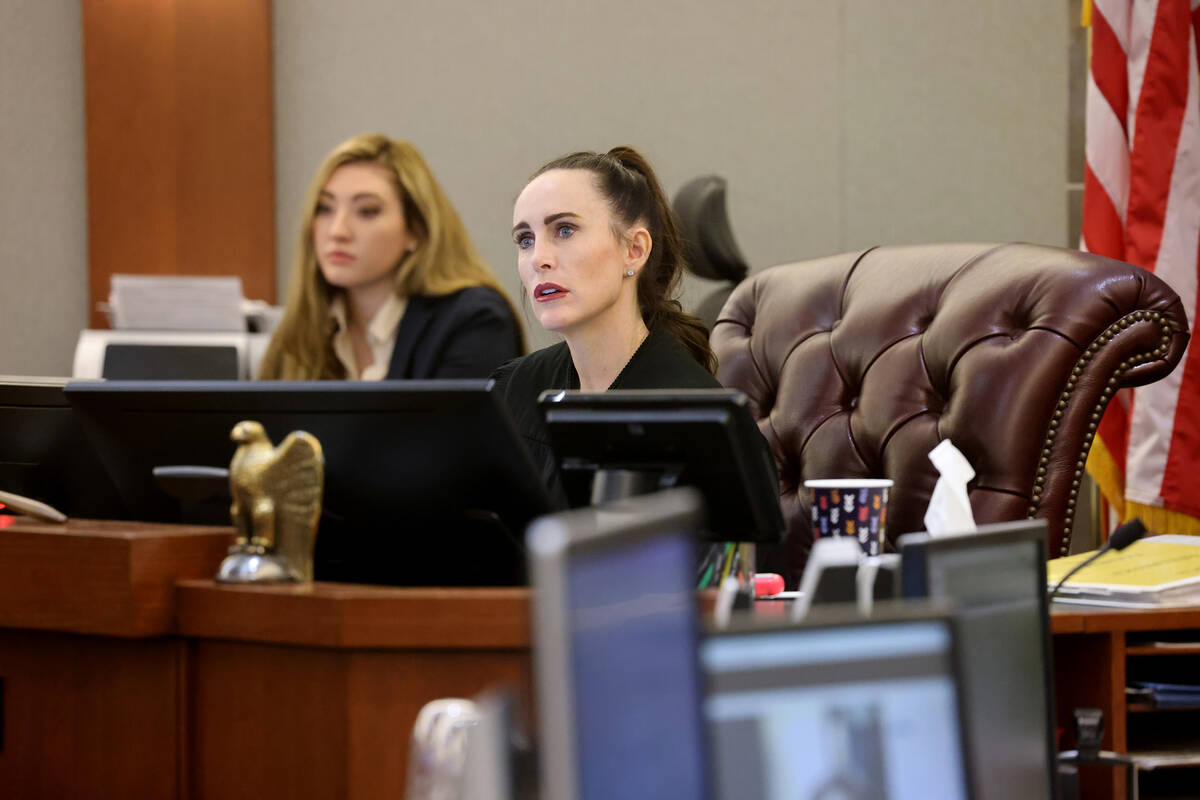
{"x":660,"y":362}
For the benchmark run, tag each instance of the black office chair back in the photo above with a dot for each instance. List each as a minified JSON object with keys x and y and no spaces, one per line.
{"x":711,"y":251}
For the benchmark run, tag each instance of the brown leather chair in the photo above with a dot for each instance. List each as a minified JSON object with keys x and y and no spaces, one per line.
{"x":857,"y":365}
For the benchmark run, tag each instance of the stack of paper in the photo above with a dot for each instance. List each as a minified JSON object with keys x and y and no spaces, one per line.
{"x":1156,"y":572}
{"x":176,"y":303}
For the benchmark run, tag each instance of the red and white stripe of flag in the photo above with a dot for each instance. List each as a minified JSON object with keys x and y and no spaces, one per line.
{"x":1142,"y":205}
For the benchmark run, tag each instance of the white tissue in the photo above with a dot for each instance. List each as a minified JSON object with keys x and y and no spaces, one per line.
{"x":949,"y":508}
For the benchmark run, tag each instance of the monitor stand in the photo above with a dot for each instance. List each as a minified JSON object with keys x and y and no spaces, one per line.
{"x":202,"y":493}
{"x":609,"y":485}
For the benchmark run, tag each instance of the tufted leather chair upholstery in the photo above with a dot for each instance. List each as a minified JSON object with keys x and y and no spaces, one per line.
{"x":857,"y":365}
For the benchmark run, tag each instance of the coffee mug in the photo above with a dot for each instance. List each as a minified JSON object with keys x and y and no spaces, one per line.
{"x":851,"y":507}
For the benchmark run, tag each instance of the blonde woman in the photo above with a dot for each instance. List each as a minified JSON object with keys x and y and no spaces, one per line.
{"x":386,"y":283}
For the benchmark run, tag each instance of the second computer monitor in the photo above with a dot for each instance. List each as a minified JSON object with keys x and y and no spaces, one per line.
{"x":997,"y":579}
{"x":848,"y":710}
{"x":615,"y":634}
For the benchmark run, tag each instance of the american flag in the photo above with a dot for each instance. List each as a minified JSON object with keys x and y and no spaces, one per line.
{"x":1141,"y":204}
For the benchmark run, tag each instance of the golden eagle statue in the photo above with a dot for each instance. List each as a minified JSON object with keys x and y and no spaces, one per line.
{"x":276,"y":504}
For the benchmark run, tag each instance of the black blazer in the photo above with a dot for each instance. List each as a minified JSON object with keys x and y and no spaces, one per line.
{"x":466,"y":334}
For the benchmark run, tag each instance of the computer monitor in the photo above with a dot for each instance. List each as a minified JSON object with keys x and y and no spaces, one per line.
{"x":706,"y":438}
{"x":615,"y":633}
{"x":850,"y":708}
{"x":997,"y":579}
{"x":426,"y":482}
{"x":44,"y":454}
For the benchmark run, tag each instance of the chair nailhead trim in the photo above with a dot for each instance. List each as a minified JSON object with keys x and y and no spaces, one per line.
{"x":1064,"y":400}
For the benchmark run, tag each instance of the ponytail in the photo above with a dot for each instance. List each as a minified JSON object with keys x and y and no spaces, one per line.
{"x":634,"y":194}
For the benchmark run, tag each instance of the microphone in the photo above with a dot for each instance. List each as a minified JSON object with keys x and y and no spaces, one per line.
{"x":1125,"y":535}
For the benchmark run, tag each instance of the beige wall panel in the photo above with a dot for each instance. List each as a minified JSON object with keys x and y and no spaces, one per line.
{"x":955,"y":120}
{"x":43,"y":186}
{"x":489,"y":92}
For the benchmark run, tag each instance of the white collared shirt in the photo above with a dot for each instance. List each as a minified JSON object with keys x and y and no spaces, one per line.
{"x":381,"y":336}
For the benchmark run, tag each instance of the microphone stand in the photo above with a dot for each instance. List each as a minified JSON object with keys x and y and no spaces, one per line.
{"x":1089,"y":722}
{"x":1122,"y":537}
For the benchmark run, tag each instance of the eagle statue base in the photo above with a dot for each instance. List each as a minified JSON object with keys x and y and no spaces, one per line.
{"x":242,"y":567}
{"x":276,"y":505}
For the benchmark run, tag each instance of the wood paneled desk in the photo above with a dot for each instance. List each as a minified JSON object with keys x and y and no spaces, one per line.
{"x":1096,"y":651}
{"x":312,"y":691}
{"x":92,"y":680}
{"x":125,"y":672}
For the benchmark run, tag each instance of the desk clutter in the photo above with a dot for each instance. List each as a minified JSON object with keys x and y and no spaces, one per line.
{"x":944,"y":690}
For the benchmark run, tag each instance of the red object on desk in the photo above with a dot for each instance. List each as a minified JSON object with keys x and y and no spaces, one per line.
{"x":767,"y":584}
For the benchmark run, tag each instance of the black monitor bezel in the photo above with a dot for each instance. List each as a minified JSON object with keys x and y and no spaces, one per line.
{"x":914,"y":584}
{"x":735,"y":440}
{"x":82,"y":487}
{"x":888,"y":613}
{"x":587,"y":532}
{"x":105,"y":406}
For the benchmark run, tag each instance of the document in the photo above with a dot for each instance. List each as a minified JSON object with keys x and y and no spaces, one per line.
{"x":177,"y":303}
{"x":1156,"y":572}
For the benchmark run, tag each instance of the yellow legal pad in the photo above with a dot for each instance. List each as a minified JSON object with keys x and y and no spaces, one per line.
{"x":1145,"y":565}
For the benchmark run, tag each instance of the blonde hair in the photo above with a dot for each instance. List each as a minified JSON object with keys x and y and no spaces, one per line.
{"x":444,"y":260}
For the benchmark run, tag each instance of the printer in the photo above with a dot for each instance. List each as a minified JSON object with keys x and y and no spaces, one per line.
{"x":176,"y":328}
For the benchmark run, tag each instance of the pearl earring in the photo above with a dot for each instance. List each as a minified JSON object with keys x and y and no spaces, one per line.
{"x":629,"y":272}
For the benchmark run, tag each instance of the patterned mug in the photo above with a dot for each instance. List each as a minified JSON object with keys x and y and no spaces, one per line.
{"x":851,"y":507}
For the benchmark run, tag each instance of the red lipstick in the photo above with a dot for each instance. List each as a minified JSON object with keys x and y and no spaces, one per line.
{"x":545,"y":292}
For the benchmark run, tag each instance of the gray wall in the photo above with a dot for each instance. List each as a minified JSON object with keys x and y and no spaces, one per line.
{"x":43,"y":186}
{"x":838,"y":124}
